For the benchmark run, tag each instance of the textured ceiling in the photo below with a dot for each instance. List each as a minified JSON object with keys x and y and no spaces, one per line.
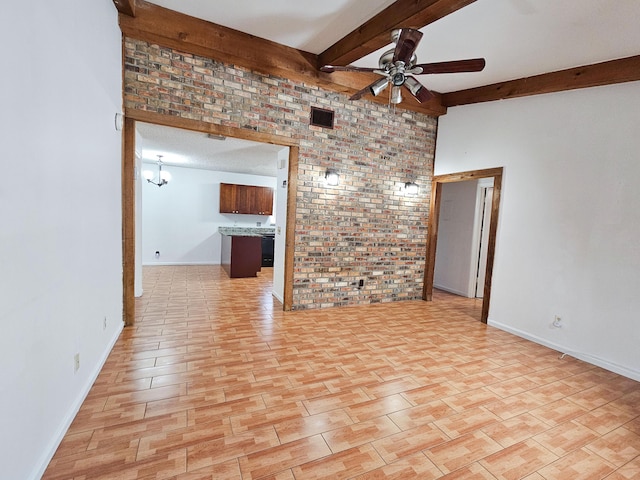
{"x":196,"y":150}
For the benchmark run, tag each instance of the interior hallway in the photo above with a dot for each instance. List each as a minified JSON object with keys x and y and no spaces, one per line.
{"x":216,"y":382}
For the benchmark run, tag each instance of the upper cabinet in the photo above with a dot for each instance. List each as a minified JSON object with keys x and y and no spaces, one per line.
{"x":246,"y":199}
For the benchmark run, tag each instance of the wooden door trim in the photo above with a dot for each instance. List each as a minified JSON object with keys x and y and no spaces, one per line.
{"x":128,"y":221}
{"x":432,"y":235}
{"x":128,"y":194}
{"x":289,"y":250}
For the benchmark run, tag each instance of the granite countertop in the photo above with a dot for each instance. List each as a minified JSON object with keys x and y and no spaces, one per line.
{"x":245,"y":231}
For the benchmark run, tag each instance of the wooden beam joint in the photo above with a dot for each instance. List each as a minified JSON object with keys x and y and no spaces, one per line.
{"x":126,"y":7}
{"x":376,"y":32}
{"x":171,"y":29}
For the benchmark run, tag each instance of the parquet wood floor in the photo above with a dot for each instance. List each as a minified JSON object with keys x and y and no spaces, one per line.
{"x":216,"y":382}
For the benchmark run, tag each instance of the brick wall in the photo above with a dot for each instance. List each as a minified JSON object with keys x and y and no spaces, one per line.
{"x":363,"y":229}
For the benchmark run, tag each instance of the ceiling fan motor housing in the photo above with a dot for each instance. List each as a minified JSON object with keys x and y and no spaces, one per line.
{"x":399,"y":64}
{"x":398,"y":78}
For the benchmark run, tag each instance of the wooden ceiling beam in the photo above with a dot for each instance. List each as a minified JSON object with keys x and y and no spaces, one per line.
{"x":376,"y":32}
{"x":126,"y":7}
{"x":598,"y":74}
{"x":172,"y":29}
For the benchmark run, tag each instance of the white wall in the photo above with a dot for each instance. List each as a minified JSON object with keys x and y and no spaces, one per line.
{"x":60,"y":205}
{"x":181,"y":219}
{"x":456,"y":239}
{"x":280,"y":211}
{"x":568,"y":230}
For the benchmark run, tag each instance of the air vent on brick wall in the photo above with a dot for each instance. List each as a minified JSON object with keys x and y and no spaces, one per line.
{"x":321,"y":117}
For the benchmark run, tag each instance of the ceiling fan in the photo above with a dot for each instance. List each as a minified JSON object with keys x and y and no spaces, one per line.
{"x":398,"y":64}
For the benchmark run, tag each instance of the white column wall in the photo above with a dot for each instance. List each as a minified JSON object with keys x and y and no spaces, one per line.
{"x":281,"y":224}
{"x":567,"y":241}
{"x":60,"y":205}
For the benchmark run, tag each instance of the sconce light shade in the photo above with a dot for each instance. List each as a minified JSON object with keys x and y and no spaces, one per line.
{"x":396,"y":95}
{"x":417,"y":89}
{"x":165,"y":176}
{"x":331,"y":178}
{"x":411,"y":189}
{"x":379,"y":86}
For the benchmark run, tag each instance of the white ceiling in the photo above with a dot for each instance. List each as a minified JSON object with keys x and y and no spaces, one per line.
{"x":518,"y":38}
{"x":189,"y":149}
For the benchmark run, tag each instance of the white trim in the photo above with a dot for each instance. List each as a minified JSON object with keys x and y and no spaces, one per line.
{"x":585,"y":357}
{"x":452,"y":290}
{"x":475,"y":239}
{"x":178,"y":263}
{"x":46,"y":457}
{"x":278,"y":297}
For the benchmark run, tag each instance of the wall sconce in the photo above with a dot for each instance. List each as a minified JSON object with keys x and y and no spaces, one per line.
{"x":331,"y":178}
{"x":163,"y":176}
{"x":411,"y":189}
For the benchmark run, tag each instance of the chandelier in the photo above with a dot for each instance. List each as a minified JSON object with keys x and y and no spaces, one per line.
{"x":162,"y":178}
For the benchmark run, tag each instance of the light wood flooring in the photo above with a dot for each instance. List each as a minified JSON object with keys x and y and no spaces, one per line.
{"x":216,"y":382}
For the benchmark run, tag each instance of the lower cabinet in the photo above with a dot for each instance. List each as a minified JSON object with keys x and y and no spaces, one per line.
{"x":241,"y":256}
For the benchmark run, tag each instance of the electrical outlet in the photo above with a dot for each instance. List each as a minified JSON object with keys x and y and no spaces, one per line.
{"x":104,"y":323}
{"x":361,"y":283}
{"x":76,"y":362}
{"x":557,"y":321}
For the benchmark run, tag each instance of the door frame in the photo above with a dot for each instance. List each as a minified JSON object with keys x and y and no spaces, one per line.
{"x":432,"y":234}
{"x":482,"y":232}
{"x":128,"y":194}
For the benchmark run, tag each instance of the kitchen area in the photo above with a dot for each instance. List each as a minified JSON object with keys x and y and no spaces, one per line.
{"x":245,"y":250}
{"x":204,"y":208}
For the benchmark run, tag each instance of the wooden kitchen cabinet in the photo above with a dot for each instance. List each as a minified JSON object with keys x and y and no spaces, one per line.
{"x":263,"y":200}
{"x":228,"y":202}
{"x":246,"y":199}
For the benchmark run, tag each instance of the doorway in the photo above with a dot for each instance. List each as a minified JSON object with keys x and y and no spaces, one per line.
{"x":434,"y":217}
{"x":128,"y":194}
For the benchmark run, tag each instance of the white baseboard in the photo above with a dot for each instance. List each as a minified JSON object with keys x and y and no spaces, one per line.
{"x":170,"y":264}
{"x":451,"y":290}
{"x":73,"y":411}
{"x":585,"y":357}
{"x":278,"y":297}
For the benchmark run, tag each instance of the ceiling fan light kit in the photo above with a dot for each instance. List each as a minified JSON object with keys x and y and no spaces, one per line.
{"x":398,"y":65}
{"x":377,"y":87}
{"x":396,"y":95}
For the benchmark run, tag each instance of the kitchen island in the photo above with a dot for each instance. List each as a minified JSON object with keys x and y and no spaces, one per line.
{"x":241,"y":251}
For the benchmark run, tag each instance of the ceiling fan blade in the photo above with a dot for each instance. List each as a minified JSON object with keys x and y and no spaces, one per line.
{"x":418,"y":90}
{"x":374,"y":89}
{"x":407,"y":44}
{"x":349,"y":68}
{"x":454,"y":66}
